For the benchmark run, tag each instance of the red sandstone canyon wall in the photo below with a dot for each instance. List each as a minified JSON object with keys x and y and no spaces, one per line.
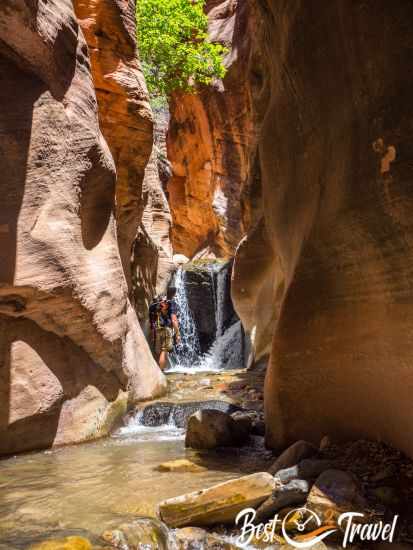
{"x":209,"y":140}
{"x":71,"y":350}
{"x":323,"y":279}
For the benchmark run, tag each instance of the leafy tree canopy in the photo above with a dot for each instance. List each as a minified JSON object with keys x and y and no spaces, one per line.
{"x":174,"y":47}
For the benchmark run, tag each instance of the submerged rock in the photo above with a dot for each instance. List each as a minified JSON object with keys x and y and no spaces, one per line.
{"x":67,"y":543}
{"x":218,"y":504}
{"x":180,"y":465}
{"x":208,"y":429}
{"x":148,"y":533}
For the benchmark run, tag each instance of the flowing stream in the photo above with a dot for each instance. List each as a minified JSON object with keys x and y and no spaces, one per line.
{"x":96,"y":486}
{"x":99,"y":485}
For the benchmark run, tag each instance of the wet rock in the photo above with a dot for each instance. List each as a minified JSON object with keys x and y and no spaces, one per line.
{"x":199,"y":283}
{"x":148,"y":533}
{"x":195,"y":538}
{"x":180,"y":465}
{"x":208,"y":429}
{"x":67,"y":543}
{"x":336,"y":491}
{"x":218,"y":504}
{"x":290,"y":494}
{"x":244,"y":419}
{"x":178,"y":414}
{"x":292,"y":455}
{"x":258,"y":428}
{"x":306,"y":469}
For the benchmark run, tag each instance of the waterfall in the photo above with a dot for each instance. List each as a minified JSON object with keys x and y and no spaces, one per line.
{"x":226,"y":350}
{"x":187,"y":354}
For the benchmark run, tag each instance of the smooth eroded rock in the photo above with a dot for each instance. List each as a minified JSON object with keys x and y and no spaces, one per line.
{"x":218,"y":504}
{"x":209,"y":428}
{"x":148,"y":533}
{"x":70,"y":341}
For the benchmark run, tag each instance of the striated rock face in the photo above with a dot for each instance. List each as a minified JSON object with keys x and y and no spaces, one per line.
{"x":70,"y":343}
{"x":324,"y":279}
{"x":152,"y":258}
{"x":125,"y":115}
{"x":209,"y":139}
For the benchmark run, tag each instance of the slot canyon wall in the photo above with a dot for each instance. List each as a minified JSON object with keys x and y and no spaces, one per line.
{"x":209,"y":140}
{"x":72,"y":353}
{"x":324,"y":279}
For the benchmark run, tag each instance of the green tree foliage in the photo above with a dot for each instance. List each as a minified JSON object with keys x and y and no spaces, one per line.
{"x":174,"y":47}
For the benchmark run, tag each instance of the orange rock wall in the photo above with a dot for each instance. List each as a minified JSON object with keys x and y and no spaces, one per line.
{"x":209,"y":139}
{"x":125,"y":115}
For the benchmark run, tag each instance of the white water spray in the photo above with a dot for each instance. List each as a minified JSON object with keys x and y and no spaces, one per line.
{"x":226,"y":351}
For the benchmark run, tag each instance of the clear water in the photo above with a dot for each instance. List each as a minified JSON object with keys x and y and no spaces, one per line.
{"x":93,"y":486}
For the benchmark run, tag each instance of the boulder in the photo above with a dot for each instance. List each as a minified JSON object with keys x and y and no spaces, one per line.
{"x":210,"y":428}
{"x":292,"y":455}
{"x":218,"y":504}
{"x":290,"y":494}
{"x":335,"y":492}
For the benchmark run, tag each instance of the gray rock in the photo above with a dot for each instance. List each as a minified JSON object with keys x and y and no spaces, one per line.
{"x":292,"y":455}
{"x":309,"y":468}
{"x":290,"y":494}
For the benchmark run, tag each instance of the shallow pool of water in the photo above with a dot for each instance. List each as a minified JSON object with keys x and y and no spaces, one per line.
{"x":93,"y":485}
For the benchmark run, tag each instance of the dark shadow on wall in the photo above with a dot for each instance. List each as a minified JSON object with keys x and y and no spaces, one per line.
{"x":29,"y":68}
{"x":63,"y":371}
{"x":18,"y":93}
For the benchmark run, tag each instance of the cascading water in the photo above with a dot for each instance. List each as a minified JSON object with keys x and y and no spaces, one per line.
{"x":226,"y":350}
{"x":187,"y":354}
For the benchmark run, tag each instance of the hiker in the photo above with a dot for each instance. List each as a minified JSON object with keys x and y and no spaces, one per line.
{"x":164,"y":326}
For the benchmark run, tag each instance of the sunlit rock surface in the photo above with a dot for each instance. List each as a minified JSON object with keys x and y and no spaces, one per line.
{"x":209,"y":139}
{"x":70,"y":343}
